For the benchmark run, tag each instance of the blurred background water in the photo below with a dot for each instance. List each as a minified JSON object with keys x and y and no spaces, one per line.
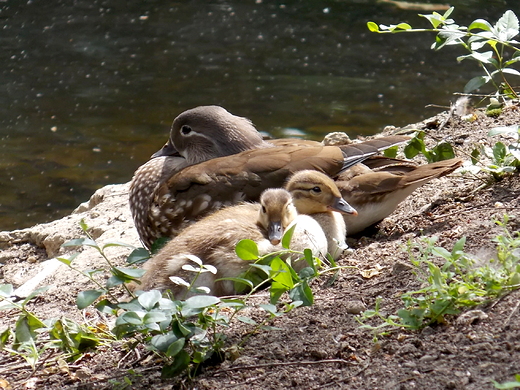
{"x":89,"y":88}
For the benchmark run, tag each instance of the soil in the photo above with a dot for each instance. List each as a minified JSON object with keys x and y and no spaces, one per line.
{"x":316,"y":347}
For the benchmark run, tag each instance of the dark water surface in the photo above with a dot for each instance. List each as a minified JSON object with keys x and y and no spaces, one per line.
{"x":89,"y":88}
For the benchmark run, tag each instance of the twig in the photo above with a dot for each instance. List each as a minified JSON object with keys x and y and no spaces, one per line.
{"x":450,"y":114}
{"x":471,"y":209}
{"x":337,"y":382}
{"x":264,"y":365}
{"x":512,"y":312}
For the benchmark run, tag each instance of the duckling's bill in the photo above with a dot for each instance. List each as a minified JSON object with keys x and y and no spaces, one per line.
{"x":342,"y":206}
{"x":275,"y":232}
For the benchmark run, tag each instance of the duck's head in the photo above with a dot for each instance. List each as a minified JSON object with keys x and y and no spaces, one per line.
{"x":314,"y":192}
{"x":207,"y":132}
{"x":277,"y":211}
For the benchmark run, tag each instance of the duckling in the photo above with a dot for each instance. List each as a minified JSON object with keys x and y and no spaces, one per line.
{"x":196,"y":190}
{"x":214,"y":238}
{"x":317,"y":195}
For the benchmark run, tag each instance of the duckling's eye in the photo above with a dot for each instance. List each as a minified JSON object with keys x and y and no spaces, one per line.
{"x":316,"y":190}
{"x":264,"y":210}
{"x":185,"y":129}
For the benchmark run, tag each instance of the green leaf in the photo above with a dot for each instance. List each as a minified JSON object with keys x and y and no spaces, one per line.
{"x":403,"y":26}
{"x":264,"y":268}
{"x":201,"y":301}
{"x":25,"y":330}
{"x":68,"y":261}
{"x":510,"y":71}
{"x":391,"y":152}
{"x":287,"y":237}
{"x":115,"y":280}
{"x":181,"y":363}
{"x":412,"y":318}
{"x":129,"y":318}
{"x":475,"y":83}
{"x":81,"y":241}
{"x":148,"y":299}
{"x":86,"y":298}
{"x":415,"y":146}
{"x":513,"y":131}
{"x":176,"y":347}
{"x":302,"y":293}
{"x":138,"y":255}
{"x":247,"y":250}
{"x":131,"y":273}
{"x":154,"y":317}
{"x":247,"y":320}
{"x":484,"y":57}
{"x":507,"y":385}
{"x":507,"y":26}
{"x":270,"y":308}
{"x":499,"y":152}
{"x":276,"y":291}
{"x":443,"y":151}
{"x":4,"y":338}
{"x":118,"y":244}
{"x":107,"y":307}
{"x":281,"y":273}
{"x":6,"y":290}
{"x":373,"y":27}
{"x":475,"y":154}
{"x":480,"y":24}
{"x":441,"y":252}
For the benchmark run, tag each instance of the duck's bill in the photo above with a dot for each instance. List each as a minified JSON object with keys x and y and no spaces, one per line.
{"x":342,"y":206}
{"x":167,"y":150}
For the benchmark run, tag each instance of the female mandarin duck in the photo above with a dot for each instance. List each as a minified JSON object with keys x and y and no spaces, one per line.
{"x":264,"y":223}
{"x":242,"y":164}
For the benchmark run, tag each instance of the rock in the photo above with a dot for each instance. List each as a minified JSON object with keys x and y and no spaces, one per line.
{"x":470,"y":317}
{"x":355,"y":307}
{"x":108,"y":218}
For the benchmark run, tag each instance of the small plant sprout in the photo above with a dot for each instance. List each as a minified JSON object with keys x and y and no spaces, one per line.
{"x":500,"y":159}
{"x":460,"y":282}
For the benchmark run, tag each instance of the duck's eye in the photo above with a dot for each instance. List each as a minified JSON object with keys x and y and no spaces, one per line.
{"x":185,"y":129}
{"x":316,"y":190}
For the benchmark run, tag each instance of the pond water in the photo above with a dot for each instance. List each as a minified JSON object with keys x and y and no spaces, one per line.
{"x":89,"y":88}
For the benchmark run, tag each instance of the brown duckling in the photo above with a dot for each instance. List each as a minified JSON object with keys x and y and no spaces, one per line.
{"x":213,"y":240}
{"x":317,"y":195}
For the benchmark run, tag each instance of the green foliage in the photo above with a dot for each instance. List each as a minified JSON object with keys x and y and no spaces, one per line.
{"x":184,"y":333}
{"x":461,"y":281}
{"x":492,"y":46}
{"x":441,"y":151}
{"x":504,"y":159}
{"x":508,"y":385}
{"x":32,"y":337}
